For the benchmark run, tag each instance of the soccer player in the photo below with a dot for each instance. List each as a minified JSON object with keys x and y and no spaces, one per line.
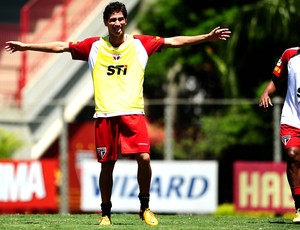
{"x":288,"y":68}
{"x":117,"y":63}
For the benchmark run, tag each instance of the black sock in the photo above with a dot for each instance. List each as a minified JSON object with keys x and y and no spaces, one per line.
{"x":144,"y":199}
{"x":297,"y":200}
{"x":106,"y":209}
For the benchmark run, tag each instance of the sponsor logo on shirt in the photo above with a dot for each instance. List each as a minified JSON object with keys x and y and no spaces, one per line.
{"x":141,"y":143}
{"x":117,"y":69}
{"x":277,"y":69}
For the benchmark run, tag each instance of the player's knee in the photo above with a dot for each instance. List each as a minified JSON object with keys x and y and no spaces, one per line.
{"x":143,"y":158}
{"x":294,"y":154}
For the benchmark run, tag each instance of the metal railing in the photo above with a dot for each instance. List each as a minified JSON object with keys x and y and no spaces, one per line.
{"x":50,"y":30}
{"x":41,"y":21}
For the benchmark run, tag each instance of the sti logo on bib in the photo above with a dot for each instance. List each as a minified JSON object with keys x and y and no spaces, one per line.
{"x":112,"y":69}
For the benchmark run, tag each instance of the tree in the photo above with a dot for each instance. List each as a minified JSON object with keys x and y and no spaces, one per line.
{"x":261,"y":29}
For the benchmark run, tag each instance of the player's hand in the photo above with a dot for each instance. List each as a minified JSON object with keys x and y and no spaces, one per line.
{"x":265,"y":101}
{"x":219,"y":33}
{"x":13,"y":46}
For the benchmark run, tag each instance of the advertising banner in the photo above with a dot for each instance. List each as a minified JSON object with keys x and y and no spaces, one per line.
{"x":28,"y":185}
{"x":262,"y":186}
{"x":176,"y":186}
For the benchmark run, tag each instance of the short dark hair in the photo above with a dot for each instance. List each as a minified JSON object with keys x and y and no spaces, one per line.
{"x":114,"y":7}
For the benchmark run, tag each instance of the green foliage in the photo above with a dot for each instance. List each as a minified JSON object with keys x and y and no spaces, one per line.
{"x":258,"y":27}
{"x":194,"y":59}
{"x":266,"y":15}
{"x":157,"y":152}
{"x":156,"y":72}
{"x":239,"y":67}
{"x":221,"y":130}
{"x":225,"y":209}
{"x":8,"y":144}
{"x":261,"y":88}
{"x":228,"y":209}
{"x":237,"y":125}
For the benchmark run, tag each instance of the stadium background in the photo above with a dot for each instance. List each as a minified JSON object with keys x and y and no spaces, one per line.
{"x":55,"y":119}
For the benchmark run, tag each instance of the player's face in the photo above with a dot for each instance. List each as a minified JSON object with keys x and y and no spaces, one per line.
{"x":116,"y":24}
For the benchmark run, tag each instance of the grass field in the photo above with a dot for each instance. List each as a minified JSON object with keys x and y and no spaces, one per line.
{"x":132,"y":221}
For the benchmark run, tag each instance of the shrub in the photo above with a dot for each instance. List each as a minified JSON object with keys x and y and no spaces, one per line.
{"x":9,"y":143}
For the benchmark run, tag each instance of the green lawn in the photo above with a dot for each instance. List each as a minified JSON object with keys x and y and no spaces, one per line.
{"x":132,"y":221}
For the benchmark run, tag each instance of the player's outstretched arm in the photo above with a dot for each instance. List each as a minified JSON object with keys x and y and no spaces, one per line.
{"x":50,"y":47}
{"x":216,"y":34}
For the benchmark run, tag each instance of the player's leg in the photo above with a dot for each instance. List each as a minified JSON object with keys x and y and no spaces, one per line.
{"x":144,"y":174}
{"x":293,"y":175}
{"x":106,"y":138}
{"x":134,"y":140}
{"x":106,"y":184}
{"x":144,"y":179}
{"x":290,"y":137}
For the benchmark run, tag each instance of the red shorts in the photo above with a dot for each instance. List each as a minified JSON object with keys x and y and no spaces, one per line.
{"x":290,"y":136}
{"x":125,"y":134}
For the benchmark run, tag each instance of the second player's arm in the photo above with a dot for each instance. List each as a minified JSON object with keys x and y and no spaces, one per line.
{"x":265,"y":99}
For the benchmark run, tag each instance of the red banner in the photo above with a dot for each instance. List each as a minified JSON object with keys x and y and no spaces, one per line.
{"x":262,"y":186}
{"x":29,"y":185}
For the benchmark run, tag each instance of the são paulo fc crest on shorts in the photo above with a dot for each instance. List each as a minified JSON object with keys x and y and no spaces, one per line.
{"x":285,"y":139}
{"x":101,"y":151}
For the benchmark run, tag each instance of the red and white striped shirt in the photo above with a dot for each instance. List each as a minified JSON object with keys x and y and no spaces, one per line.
{"x":289,"y":66}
